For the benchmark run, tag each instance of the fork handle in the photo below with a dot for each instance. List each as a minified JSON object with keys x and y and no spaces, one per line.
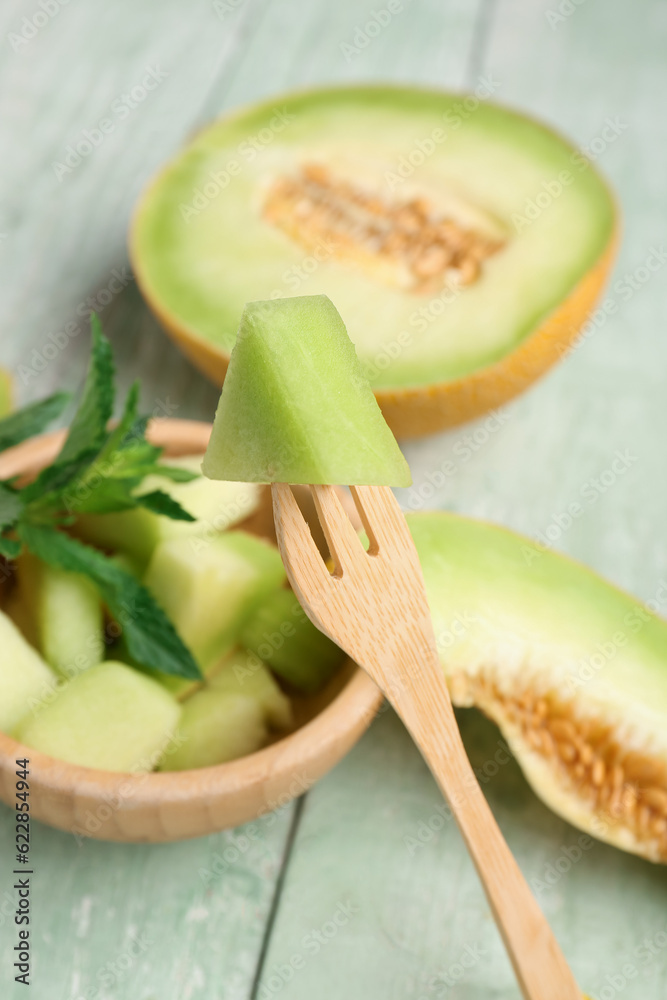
{"x":421,"y":698}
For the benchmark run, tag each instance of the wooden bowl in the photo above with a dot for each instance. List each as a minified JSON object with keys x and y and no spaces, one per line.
{"x":180,"y":804}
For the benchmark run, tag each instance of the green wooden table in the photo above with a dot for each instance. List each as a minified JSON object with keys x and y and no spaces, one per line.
{"x":362,"y":889}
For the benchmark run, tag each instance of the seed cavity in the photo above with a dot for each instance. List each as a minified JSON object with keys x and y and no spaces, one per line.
{"x":408,"y":244}
{"x":622,"y":787}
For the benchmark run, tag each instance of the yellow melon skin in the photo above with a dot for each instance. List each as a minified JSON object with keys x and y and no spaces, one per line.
{"x":415,"y":412}
{"x":418,"y":411}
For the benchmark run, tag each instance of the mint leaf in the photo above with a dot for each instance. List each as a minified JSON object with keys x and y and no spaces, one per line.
{"x":171,"y":472}
{"x":162,"y":503}
{"x":10,"y":506}
{"x":131,"y":427}
{"x":10,"y":548}
{"x":103,"y":497}
{"x":88,"y":429}
{"x":151,"y":638}
{"x":31,"y":420}
{"x":46,"y":489}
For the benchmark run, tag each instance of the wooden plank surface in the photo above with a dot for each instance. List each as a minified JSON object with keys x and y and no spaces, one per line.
{"x":419,"y":916}
{"x":376,"y":845}
{"x":370,"y":912}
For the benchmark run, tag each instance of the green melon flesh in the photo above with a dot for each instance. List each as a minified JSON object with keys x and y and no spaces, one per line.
{"x":202,"y":247}
{"x":296,"y":406}
{"x":208,"y":587}
{"x":67,"y":612}
{"x":512,"y":620}
{"x":216,"y":507}
{"x":288,"y":642}
{"x":244,"y":674}
{"x":6,"y":392}
{"x":217,"y":727}
{"x":110,"y":717}
{"x":25,"y":679}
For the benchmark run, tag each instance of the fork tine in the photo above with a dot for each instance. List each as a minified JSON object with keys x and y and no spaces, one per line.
{"x":381,"y":516}
{"x":344,"y":543}
{"x":302,"y":559}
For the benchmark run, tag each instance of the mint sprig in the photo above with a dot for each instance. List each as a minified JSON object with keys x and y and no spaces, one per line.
{"x":31,"y":420}
{"x":97,"y":470}
{"x":151,"y":638}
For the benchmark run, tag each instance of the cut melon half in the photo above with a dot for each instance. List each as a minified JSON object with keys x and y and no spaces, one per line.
{"x":573,"y":671}
{"x":463,"y":243}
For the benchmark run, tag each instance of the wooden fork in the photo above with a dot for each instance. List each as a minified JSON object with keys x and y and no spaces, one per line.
{"x":374,"y":606}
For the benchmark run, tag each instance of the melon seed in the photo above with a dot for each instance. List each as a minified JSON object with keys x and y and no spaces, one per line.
{"x":563,"y":729}
{"x":314,"y":207}
{"x":598,"y":772}
{"x":656,"y":798}
{"x":625,"y":790}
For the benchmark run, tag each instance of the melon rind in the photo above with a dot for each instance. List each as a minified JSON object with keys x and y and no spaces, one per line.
{"x":428,"y":369}
{"x":513,"y":618}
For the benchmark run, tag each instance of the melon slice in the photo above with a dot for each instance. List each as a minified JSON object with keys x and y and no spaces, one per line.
{"x":215,"y":727}
{"x":573,"y":670}
{"x":216,"y":507}
{"x":25,"y":679}
{"x":110,"y":717}
{"x":208,"y":587}
{"x":462,"y":242}
{"x":244,"y":673}
{"x":296,"y":406}
{"x":66,"y":609}
{"x":280,"y":633}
